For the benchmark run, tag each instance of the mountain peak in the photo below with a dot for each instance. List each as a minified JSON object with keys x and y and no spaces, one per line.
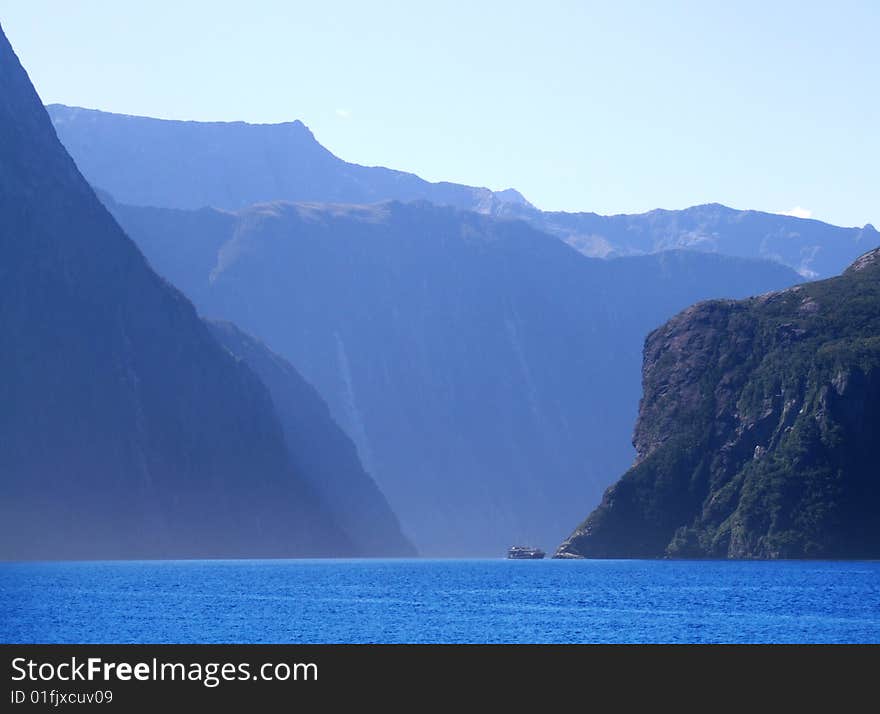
{"x":511,"y":195}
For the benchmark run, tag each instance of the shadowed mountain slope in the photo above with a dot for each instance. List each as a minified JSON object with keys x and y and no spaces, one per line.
{"x":321,"y":452}
{"x":487,"y":373}
{"x":126,"y":430}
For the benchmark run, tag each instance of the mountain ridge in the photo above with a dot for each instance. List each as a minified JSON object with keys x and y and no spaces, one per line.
{"x":812,"y":247}
{"x":230,"y":165}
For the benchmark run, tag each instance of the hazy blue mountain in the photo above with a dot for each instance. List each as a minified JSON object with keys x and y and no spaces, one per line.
{"x":126,"y":430}
{"x":487,"y":373}
{"x":757,"y":434}
{"x":173,"y":164}
{"x":321,"y":452}
{"x":812,"y":248}
{"x":185,"y":164}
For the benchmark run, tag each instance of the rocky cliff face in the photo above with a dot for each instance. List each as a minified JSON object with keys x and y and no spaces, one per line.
{"x":757,"y":432}
{"x":482,"y":368}
{"x":126,"y":431}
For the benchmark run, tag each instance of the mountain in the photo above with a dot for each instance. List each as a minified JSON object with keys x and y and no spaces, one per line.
{"x":126,"y":430}
{"x":322,"y":453}
{"x":487,"y":373}
{"x":757,"y":432}
{"x":813,"y":248}
{"x":174,"y":164}
{"x":187,"y":164}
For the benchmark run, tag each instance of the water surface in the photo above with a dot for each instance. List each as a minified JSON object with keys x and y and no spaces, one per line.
{"x":439,"y":601}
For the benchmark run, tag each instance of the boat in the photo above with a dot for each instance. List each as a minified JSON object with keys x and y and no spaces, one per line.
{"x":524,"y":552}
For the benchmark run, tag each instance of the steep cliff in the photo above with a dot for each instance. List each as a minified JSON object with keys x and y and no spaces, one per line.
{"x":126,"y":430}
{"x":321,"y":452}
{"x":757,"y":432}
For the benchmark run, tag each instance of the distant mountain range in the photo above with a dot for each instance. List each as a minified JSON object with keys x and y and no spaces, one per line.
{"x":757,"y":434}
{"x":478,"y":352}
{"x":126,"y":429}
{"x":175,"y":164}
{"x":812,"y":248}
{"x":487,"y":372}
{"x":452,"y":348}
{"x":187,"y":164}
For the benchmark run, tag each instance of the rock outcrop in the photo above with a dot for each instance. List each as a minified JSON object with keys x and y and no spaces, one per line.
{"x":757,"y":432}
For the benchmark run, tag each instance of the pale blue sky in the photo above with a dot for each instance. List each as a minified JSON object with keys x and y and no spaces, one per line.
{"x":609,"y":107}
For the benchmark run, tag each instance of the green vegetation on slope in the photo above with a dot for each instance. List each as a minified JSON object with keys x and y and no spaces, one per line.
{"x":756,"y":431}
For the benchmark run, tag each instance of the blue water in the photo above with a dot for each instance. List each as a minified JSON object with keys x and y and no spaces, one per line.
{"x":440,"y":601}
